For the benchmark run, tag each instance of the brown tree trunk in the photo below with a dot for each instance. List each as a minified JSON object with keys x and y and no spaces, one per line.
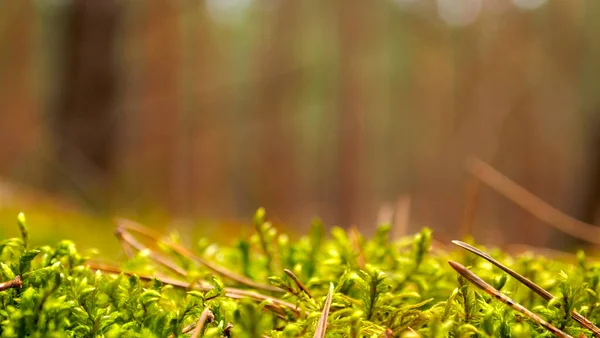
{"x":353,"y":28}
{"x":84,"y":123}
{"x":274,"y":160}
{"x":18,"y":110}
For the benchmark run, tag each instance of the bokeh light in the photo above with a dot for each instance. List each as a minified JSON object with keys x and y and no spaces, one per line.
{"x":227,"y":11}
{"x":459,"y":12}
{"x":405,"y":3}
{"x":529,"y":4}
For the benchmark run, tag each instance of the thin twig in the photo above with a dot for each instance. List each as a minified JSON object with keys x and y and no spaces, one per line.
{"x":322,"y":325}
{"x":298,"y":282}
{"x":204,"y":316}
{"x":531,"y":203}
{"x":132,"y":226}
{"x":530,"y":284}
{"x":15,"y":283}
{"x":480,"y":283}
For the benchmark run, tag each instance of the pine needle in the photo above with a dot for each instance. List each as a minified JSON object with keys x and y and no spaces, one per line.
{"x":204,"y":316}
{"x":531,"y":285}
{"x":322,"y":325}
{"x":298,"y":282}
{"x":475,"y":280}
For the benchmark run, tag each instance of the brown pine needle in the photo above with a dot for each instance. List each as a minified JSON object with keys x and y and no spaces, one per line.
{"x":480,"y":283}
{"x":298,"y":282}
{"x":124,"y":225}
{"x":125,"y":237}
{"x":322,"y":325}
{"x":204,"y":316}
{"x":539,"y":290}
{"x":15,"y":283}
{"x":531,"y":285}
{"x":276,"y":303}
{"x":203,"y":285}
{"x":531,"y":203}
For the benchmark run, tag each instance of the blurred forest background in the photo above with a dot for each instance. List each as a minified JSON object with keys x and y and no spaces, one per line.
{"x":194,"y":113}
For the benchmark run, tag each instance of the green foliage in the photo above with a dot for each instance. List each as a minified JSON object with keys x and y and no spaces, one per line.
{"x":381,"y":288}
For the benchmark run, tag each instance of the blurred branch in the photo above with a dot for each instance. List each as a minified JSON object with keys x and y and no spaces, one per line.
{"x":532,"y":203}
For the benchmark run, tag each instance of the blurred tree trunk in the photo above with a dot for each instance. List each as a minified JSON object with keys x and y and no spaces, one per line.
{"x":353,"y":39}
{"x":590,"y":102}
{"x":277,"y":186}
{"x":510,"y":137}
{"x":208,"y":100}
{"x":18,"y":110}
{"x":84,"y":121}
{"x":157,"y":101}
{"x":432,"y":95}
{"x":573,"y":187}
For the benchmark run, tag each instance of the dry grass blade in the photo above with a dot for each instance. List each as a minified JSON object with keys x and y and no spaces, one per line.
{"x":132,"y":226}
{"x":531,"y":285}
{"x":322,"y":325}
{"x":298,"y":282}
{"x":531,"y":203}
{"x":480,"y":283}
{"x":204,"y":316}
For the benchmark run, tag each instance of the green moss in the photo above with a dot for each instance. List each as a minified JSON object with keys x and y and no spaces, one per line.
{"x":268,"y":285}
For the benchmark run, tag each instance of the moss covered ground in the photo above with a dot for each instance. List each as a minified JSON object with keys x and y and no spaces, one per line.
{"x":333,"y":283}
